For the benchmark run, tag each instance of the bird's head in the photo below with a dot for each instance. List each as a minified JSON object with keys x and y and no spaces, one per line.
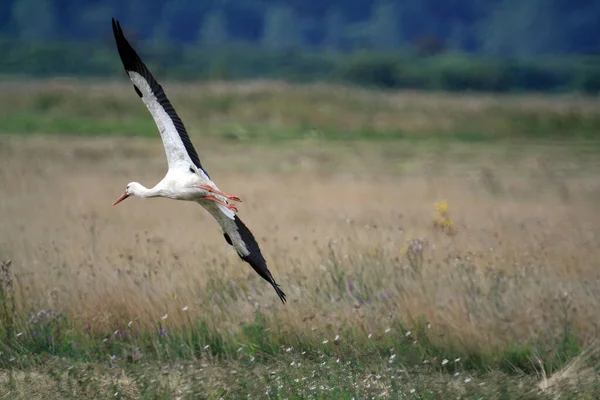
{"x":131,"y":189}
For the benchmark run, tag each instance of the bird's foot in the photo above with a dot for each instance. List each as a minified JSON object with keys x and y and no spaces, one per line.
{"x":211,"y":190}
{"x":231,"y":207}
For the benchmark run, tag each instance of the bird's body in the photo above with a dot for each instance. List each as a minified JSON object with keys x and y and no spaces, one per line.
{"x":186,"y":179}
{"x":176,"y":186}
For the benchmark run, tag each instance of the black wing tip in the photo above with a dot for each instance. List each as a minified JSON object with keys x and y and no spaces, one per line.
{"x":117,"y":31}
{"x":255,"y":258}
{"x":131,"y":60}
{"x":279,"y":292}
{"x":263,"y":271}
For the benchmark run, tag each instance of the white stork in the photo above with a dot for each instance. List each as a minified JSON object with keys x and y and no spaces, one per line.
{"x":186,"y":179}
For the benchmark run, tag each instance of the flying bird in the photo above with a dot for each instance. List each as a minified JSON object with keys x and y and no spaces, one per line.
{"x":186,"y":178}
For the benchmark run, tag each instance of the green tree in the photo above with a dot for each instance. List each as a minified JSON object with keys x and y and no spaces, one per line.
{"x":383,"y":29}
{"x":334,"y":30}
{"x":34,"y":19}
{"x":92,"y":22}
{"x":282,"y":29}
{"x":519,"y":28}
{"x":213,"y":31}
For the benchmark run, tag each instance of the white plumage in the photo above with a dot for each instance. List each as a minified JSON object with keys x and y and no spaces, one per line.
{"x":186,"y":179}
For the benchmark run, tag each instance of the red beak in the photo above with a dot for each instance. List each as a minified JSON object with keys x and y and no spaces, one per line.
{"x":120,"y":199}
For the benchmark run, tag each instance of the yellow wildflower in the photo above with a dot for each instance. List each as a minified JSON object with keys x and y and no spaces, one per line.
{"x":442,"y":206}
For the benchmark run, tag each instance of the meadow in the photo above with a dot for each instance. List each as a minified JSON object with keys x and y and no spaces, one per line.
{"x":430,"y":245}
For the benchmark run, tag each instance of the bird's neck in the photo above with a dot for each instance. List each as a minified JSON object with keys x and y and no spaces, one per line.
{"x":143,"y":191}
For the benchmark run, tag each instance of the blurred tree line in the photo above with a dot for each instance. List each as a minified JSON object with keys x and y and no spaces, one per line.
{"x":437,"y":44}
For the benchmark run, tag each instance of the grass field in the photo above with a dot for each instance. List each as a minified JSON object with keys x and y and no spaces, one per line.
{"x":430,"y":246}
{"x":276,"y":111}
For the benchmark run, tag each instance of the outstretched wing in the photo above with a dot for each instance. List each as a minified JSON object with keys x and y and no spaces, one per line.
{"x":178,"y":146}
{"x":239,"y":236}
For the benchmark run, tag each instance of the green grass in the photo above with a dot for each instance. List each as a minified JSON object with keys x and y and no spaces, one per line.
{"x":290,"y":376}
{"x":276,"y":112}
{"x":199,"y":362}
{"x":256,"y":362}
{"x":44,"y":353}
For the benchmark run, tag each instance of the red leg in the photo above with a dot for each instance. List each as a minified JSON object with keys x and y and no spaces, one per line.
{"x":211,"y":190}
{"x":232,"y":207}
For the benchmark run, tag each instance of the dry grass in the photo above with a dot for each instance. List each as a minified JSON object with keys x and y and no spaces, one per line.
{"x":507,"y":280}
{"x":577,"y":373}
{"x":334,"y":229}
{"x":284,"y":378}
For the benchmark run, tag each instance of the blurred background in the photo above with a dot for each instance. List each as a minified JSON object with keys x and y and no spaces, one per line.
{"x":490,"y":45}
{"x":422,"y":177}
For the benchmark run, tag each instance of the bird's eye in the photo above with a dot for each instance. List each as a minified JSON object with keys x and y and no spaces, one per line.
{"x":192,"y":170}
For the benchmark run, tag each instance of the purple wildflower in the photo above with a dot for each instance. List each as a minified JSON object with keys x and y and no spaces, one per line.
{"x":351,"y":286}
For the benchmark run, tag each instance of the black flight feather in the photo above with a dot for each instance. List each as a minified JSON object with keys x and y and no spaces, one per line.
{"x":255,"y":258}
{"x":132,"y":62}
